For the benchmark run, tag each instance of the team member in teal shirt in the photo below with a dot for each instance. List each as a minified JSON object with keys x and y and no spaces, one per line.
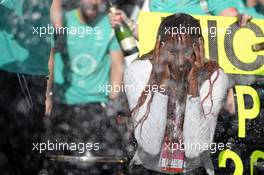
{"x":90,"y":61}
{"x":91,"y":51}
{"x":255,"y":9}
{"x":214,"y":7}
{"x":22,"y":49}
{"x":23,"y":82}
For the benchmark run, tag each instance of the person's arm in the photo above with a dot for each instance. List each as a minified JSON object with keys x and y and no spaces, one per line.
{"x":202,"y":104}
{"x":9,"y":3}
{"x":117,"y":59}
{"x":116,"y":18}
{"x":56,"y":13}
{"x":150,"y":133}
{"x":230,"y":106}
{"x":222,"y":8}
{"x":201,"y":118}
{"x":15,"y":5}
{"x":227,"y":8}
{"x":116,"y":74}
{"x":49,"y":92}
{"x":55,"y":17}
{"x":229,"y":12}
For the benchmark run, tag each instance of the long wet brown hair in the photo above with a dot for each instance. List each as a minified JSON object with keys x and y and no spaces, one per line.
{"x":178,"y":87}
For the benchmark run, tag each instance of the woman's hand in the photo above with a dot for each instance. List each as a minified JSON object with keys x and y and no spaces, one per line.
{"x":199,"y":53}
{"x":161,"y":66}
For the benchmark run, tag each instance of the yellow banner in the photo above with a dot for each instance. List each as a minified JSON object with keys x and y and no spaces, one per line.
{"x":225,"y":41}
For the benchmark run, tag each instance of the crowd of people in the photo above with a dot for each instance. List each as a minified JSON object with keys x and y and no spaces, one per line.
{"x":52,"y":86}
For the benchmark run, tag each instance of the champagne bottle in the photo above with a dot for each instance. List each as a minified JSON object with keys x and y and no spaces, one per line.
{"x":124,"y":36}
{"x":258,"y":47}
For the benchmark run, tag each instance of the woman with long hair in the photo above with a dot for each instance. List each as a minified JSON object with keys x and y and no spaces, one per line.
{"x":175,"y":98}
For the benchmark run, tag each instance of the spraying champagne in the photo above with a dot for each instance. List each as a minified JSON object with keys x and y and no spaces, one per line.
{"x":125,"y":38}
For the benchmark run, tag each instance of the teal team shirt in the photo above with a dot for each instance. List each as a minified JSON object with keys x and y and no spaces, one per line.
{"x":82,"y":74}
{"x":215,"y":7}
{"x":21,"y":47}
{"x":255,"y":12}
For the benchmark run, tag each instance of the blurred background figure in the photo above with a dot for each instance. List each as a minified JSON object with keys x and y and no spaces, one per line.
{"x":87,"y":63}
{"x":23,"y":79}
{"x":249,"y":9}
{"x":253,"y":8}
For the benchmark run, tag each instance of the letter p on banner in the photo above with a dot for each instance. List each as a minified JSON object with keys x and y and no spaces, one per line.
{"x":244,"y":113}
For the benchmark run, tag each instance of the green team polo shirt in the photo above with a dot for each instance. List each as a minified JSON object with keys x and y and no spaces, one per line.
{"x":82,"y":74}
{"x":215,"y":7}
{"x":256,"y":12}
{"x":21,"y":47}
